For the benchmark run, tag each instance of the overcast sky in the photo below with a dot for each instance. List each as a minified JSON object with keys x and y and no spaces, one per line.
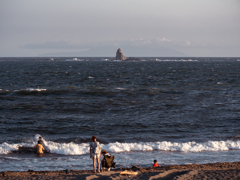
{"x":138,"y":27}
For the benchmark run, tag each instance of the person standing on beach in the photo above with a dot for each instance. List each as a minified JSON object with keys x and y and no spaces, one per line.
{"x":95,"y":153}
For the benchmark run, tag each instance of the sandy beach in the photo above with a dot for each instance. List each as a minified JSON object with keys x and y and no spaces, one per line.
{"x":176,"y":172}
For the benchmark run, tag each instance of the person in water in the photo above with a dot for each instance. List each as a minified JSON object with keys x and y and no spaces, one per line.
{"x":41,"y":141}
{"x":95,"y":153}
{"x":155,"y":163}
{"x":43,"y":144}
{"x":39,"y":148}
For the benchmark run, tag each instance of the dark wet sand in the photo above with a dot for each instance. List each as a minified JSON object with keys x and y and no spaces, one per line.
{"x":176,"y":172}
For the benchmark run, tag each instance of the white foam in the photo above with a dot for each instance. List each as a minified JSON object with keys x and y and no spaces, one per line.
{"x":220,"y":83}
{"x":35,"y":89}
{"x":68,"y":148}
{"x":83,"y":148}
{"x":36,"y":137}
{"x":176,"y":60}
{"x":31,"y":89}
{"x":120,"y":88}
{"x":74,"y":59}
{"x":6,"y":148}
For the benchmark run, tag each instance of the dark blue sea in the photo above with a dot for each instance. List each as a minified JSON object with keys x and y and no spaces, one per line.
{"x":175,"y":110}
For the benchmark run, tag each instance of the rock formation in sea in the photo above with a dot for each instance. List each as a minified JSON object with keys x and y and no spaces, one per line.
{"x":119,"y":55}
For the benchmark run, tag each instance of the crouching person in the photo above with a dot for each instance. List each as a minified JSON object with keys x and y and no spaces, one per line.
{"x":107,"y":161}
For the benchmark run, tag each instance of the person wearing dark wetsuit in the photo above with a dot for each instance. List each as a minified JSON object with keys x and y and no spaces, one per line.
{"x":41,"y":141}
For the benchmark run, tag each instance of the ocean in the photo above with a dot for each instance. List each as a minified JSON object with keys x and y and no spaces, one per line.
{"x":175,"y":110}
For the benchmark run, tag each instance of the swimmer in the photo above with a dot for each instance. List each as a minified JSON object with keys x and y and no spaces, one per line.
{"x":41,"y":141}
{"x":39,"y":148}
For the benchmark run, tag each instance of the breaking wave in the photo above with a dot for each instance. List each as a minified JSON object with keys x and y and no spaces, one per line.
{"x":83,"y":148}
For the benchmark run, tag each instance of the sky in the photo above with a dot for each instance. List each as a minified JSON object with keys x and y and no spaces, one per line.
{"x":150,"y":28}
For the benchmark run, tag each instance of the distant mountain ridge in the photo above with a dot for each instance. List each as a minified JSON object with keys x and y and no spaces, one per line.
{"x":129,"y":51}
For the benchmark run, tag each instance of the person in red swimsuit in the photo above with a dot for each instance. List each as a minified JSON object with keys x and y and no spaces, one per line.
{"x":155,"y":163}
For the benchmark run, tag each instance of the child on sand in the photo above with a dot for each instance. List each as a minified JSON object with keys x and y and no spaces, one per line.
{"x":95,"y":153}
{"x":155,"y":163}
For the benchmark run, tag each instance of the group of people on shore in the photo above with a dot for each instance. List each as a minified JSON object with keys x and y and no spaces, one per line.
{"x":107,"y":161}
{"x":95,"y":154}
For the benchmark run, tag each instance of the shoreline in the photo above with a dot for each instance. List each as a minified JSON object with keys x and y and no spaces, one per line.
{"x":226,"y":170}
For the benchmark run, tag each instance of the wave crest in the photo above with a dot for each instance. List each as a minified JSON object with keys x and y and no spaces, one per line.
{"x":83,"y":148}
